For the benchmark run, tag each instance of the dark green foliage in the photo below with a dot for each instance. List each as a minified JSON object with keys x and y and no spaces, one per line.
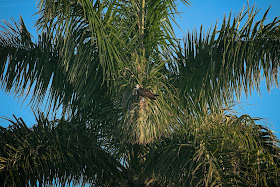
{"x":87,"y":59}
{"x":56,"y":151}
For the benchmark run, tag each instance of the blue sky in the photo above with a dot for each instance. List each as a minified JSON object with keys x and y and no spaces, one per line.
{"x":201,"y":12}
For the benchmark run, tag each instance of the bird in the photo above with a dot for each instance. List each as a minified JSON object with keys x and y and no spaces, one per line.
{"x":144,"y":92}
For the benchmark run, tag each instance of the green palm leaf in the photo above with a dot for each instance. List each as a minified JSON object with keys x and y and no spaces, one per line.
{"x":88,"y":59}
{"x":54,"y":151}
{"x":212,"y":66}
{"x":220,"y":150}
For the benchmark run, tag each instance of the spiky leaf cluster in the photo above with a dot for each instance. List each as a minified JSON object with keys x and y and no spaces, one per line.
{"x":85,"y":64}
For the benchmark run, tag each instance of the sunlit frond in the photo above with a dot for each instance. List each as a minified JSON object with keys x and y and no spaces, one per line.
{"x":220,"y":150}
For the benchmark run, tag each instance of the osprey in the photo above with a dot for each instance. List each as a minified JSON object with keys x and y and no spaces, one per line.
{"x":144,"y":92}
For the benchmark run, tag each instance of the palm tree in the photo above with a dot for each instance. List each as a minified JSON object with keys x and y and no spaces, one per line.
{"x":88,"y":59}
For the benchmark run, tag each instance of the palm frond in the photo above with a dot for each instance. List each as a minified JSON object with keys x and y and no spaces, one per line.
{"x":56,"y":151}
{"x":83,"y":24}
{"x":30,"y":68}
{"x":212,"y":66}
{"x":224,"y":149}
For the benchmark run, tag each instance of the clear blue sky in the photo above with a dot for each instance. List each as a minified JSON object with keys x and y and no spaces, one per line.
{"x":201,"y":12}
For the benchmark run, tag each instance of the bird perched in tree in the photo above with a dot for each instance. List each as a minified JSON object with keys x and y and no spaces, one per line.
{"x":144,"y":92}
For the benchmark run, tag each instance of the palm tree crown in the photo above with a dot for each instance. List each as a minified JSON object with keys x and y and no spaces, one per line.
{"x":173,"y":129}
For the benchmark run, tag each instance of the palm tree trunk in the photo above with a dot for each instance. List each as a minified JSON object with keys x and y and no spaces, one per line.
{"x":142,"y":25}
{"x":141,"y":53}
